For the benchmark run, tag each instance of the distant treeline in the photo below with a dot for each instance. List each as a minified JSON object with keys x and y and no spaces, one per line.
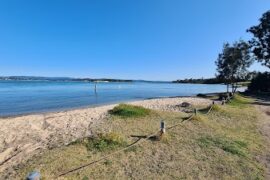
{"x":207,"y":81}
{"x":101,"y":80}
{"x":200,"y":81}
{"x":35,"y":78}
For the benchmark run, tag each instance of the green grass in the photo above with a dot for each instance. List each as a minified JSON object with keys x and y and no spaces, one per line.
{"x":235,"y":147}
{"x":239,"y":101}
{"x":221,"y":145}
{"x":127,"y":111}
{"x":103,"y":142}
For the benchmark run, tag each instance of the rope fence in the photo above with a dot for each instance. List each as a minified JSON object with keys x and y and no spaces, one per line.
{"x":141,"y":140}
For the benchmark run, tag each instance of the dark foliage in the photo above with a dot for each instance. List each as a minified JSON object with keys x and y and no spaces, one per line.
{"x":260,"y":44}
{"x":199,"y":81}
{"x":261,"y":83}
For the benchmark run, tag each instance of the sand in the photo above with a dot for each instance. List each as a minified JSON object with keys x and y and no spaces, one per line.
{"x":24,"y":136}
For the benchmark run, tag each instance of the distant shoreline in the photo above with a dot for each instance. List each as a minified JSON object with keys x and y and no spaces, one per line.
{"x":60,"y":79}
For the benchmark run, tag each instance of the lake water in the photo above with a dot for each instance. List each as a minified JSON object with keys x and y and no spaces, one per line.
{"x":23,"y":97}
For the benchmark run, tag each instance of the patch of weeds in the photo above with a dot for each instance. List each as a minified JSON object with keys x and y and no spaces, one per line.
{"x":127,"y":111}
{"x":103,"y":142}
{"x":85,"y":178}
{"x":228,"y":145}
{"x":108,"y":162}
{"x":239,"y":101}
{"x":216,"y":108}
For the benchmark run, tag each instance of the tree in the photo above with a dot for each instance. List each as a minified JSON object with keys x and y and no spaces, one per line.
{"x":260,"y":44}
{"x":260,"y":83}
{"x":233,"y":62}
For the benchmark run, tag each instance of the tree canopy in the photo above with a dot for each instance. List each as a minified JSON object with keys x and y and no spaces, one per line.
{"x":260,"y":44}
{"x":233,"y":62}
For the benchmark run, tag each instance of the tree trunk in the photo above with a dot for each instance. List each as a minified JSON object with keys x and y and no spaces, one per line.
{"x":235,"y":87}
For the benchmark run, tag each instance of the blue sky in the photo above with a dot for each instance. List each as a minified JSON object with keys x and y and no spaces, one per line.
{"x":128,"y":39}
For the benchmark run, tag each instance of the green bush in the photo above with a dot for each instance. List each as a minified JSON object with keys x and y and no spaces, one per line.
{"x":261,"y":83}
{"x":126,"y":111}
{"x":104,"y":142}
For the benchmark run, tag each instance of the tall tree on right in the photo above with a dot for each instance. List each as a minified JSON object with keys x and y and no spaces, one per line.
{"x":233,"y":62}
{"x":260,"y":44}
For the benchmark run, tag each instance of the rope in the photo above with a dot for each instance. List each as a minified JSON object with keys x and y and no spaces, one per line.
{"x":107,"y":156}
{"x":139,"y":141}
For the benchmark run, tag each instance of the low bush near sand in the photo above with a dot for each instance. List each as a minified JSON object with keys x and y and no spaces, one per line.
{"x":103,"y":142}
{"x":126,"y":111}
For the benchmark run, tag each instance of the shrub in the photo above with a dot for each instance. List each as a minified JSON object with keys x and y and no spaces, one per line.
{"x":126,"y":111}
{"x":104,"y":142}
{"x":201,"y":95}
{"x":261,"y":83}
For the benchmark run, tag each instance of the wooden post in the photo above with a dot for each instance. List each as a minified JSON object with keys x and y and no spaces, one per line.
{"x":95,"y":87}
{"x":195,"y":111}
{"x":162,"y":127}
{"x":223,"y":101}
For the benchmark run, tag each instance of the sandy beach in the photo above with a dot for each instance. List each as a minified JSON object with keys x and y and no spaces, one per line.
{"x":24,"y":136}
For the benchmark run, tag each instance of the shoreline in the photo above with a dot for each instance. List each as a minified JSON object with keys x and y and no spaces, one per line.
{"x":24,"y":136}
{"x":90,"y":106}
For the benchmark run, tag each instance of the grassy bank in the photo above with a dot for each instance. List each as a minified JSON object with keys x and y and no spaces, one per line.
{"x":221,"y":145}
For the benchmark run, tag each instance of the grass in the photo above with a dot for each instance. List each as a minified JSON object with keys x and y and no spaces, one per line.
{"x":127,"y":111}
{"x":239,"y":101}
{"x":222,"y":145}
{"x":226,"y":144}
{"x":103,"y":142}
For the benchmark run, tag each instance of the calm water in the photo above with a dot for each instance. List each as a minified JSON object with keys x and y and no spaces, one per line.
{"x":22,"y":97}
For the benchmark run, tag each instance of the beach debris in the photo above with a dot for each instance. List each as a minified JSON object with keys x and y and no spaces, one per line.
{"x":185,"y":104}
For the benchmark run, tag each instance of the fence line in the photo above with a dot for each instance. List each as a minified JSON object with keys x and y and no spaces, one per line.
{"x":139,"y":141}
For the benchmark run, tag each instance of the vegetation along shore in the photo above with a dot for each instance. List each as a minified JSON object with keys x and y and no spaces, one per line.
{"x":230,"y":141}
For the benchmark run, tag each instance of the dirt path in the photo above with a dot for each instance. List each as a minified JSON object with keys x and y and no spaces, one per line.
{"x":263,"y":105}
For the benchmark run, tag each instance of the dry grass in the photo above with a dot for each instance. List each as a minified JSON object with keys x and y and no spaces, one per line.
{"x":221,"y":145}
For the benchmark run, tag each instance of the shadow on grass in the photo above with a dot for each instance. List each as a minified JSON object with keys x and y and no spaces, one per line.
{"x":259,"y":99}
{"x":151,"y":138}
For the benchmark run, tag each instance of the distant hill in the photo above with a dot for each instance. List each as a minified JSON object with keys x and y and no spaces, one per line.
{"x":37,"y":78}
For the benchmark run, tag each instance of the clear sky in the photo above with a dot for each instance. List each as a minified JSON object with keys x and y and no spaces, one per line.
{"x":128,"y":39}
